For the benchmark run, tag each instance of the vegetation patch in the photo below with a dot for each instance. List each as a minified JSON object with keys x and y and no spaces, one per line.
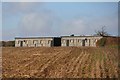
{"x":63,"y":62}
{"x":108,"y":41}
{"x":101,"y":42}
{"x":7,"y":43}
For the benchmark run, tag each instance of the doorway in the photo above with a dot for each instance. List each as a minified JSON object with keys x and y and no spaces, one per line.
{"x":21,"y":43}
{"x":56,"y":41}
{"x":83,"y":42}
{"x":67,"y":43}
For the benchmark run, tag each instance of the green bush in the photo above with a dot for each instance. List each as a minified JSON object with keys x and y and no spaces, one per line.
{"x":102,"y":42}
{"x":7,"y":43}
{"x":10,"y":44}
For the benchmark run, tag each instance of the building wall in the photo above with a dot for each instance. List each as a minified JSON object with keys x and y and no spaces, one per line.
{"x":33,"y":42}
{"x":79,"y":41}
{"x":65,"y":41}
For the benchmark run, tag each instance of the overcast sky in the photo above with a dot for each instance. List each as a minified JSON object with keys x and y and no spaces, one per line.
{"x":26,"y":19}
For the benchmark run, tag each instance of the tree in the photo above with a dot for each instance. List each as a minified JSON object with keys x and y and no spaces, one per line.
{"x":102,"y":32}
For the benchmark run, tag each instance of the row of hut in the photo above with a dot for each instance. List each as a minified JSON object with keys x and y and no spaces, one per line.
{"x":56,"y":41}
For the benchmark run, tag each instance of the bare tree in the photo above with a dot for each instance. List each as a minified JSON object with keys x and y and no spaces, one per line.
{"x":102,"y":32}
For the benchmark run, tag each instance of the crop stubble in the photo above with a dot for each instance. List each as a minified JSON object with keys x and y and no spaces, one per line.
{"x":60,"y":62}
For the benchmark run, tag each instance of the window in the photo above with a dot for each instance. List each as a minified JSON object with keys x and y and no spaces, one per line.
{"x":94,"y":40}
{"x":49,"y":41}
{"x":71,"y":40}
{"x":18,"y":42}
{"x":26,"y":41}
{"x":33,"y":41}
{"x":86,"y":39}
{"x":63,"y":40}
{"x":40,"y":41}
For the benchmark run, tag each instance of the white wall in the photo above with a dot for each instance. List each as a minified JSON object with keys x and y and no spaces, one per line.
{"x":77,"y":41}
{"x":34,"y":42}
{"x":73,"y":41}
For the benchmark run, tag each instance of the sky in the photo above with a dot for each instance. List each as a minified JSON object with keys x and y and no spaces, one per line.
{"x":27,"y":19}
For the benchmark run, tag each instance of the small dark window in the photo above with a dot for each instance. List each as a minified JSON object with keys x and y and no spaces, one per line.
{"x":40,"y":41}
{"x":33,"y":41}
{"x":86,"y":39}
{"x":49,"y":42}
{"x":73,"y":40}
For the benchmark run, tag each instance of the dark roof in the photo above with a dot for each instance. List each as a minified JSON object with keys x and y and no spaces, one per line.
{"x":32,"y":37}
{"x":81,"y":36}
{"x":51,"y":37}
{"x":112,"y":36}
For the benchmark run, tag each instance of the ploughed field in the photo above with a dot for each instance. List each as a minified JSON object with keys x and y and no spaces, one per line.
{"x":60,"y":62}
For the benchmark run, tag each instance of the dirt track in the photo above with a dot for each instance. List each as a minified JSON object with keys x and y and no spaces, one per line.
{"x":60,"y":62}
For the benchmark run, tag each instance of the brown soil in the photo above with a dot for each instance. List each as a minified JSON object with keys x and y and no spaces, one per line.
{"x":60,"y":62}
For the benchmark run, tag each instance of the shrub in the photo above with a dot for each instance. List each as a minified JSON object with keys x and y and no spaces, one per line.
{"x":10,"y":44}
{"x":102,"y":42}
{"x":7,"y":43}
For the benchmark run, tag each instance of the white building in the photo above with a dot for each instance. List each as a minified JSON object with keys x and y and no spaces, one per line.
{"x":33,"y":42}
{"x":79,"y":40}
{"x":57,"y":41}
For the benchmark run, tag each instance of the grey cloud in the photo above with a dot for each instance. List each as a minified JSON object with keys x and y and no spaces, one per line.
{"x":36,"y":24}
{"x":86,"y":26}
{"x":110,"y":21}
{"x":45,"y":23}
{"x":20,"y":7}
{"x":76,"y":26}
{"x":9,"y":34}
